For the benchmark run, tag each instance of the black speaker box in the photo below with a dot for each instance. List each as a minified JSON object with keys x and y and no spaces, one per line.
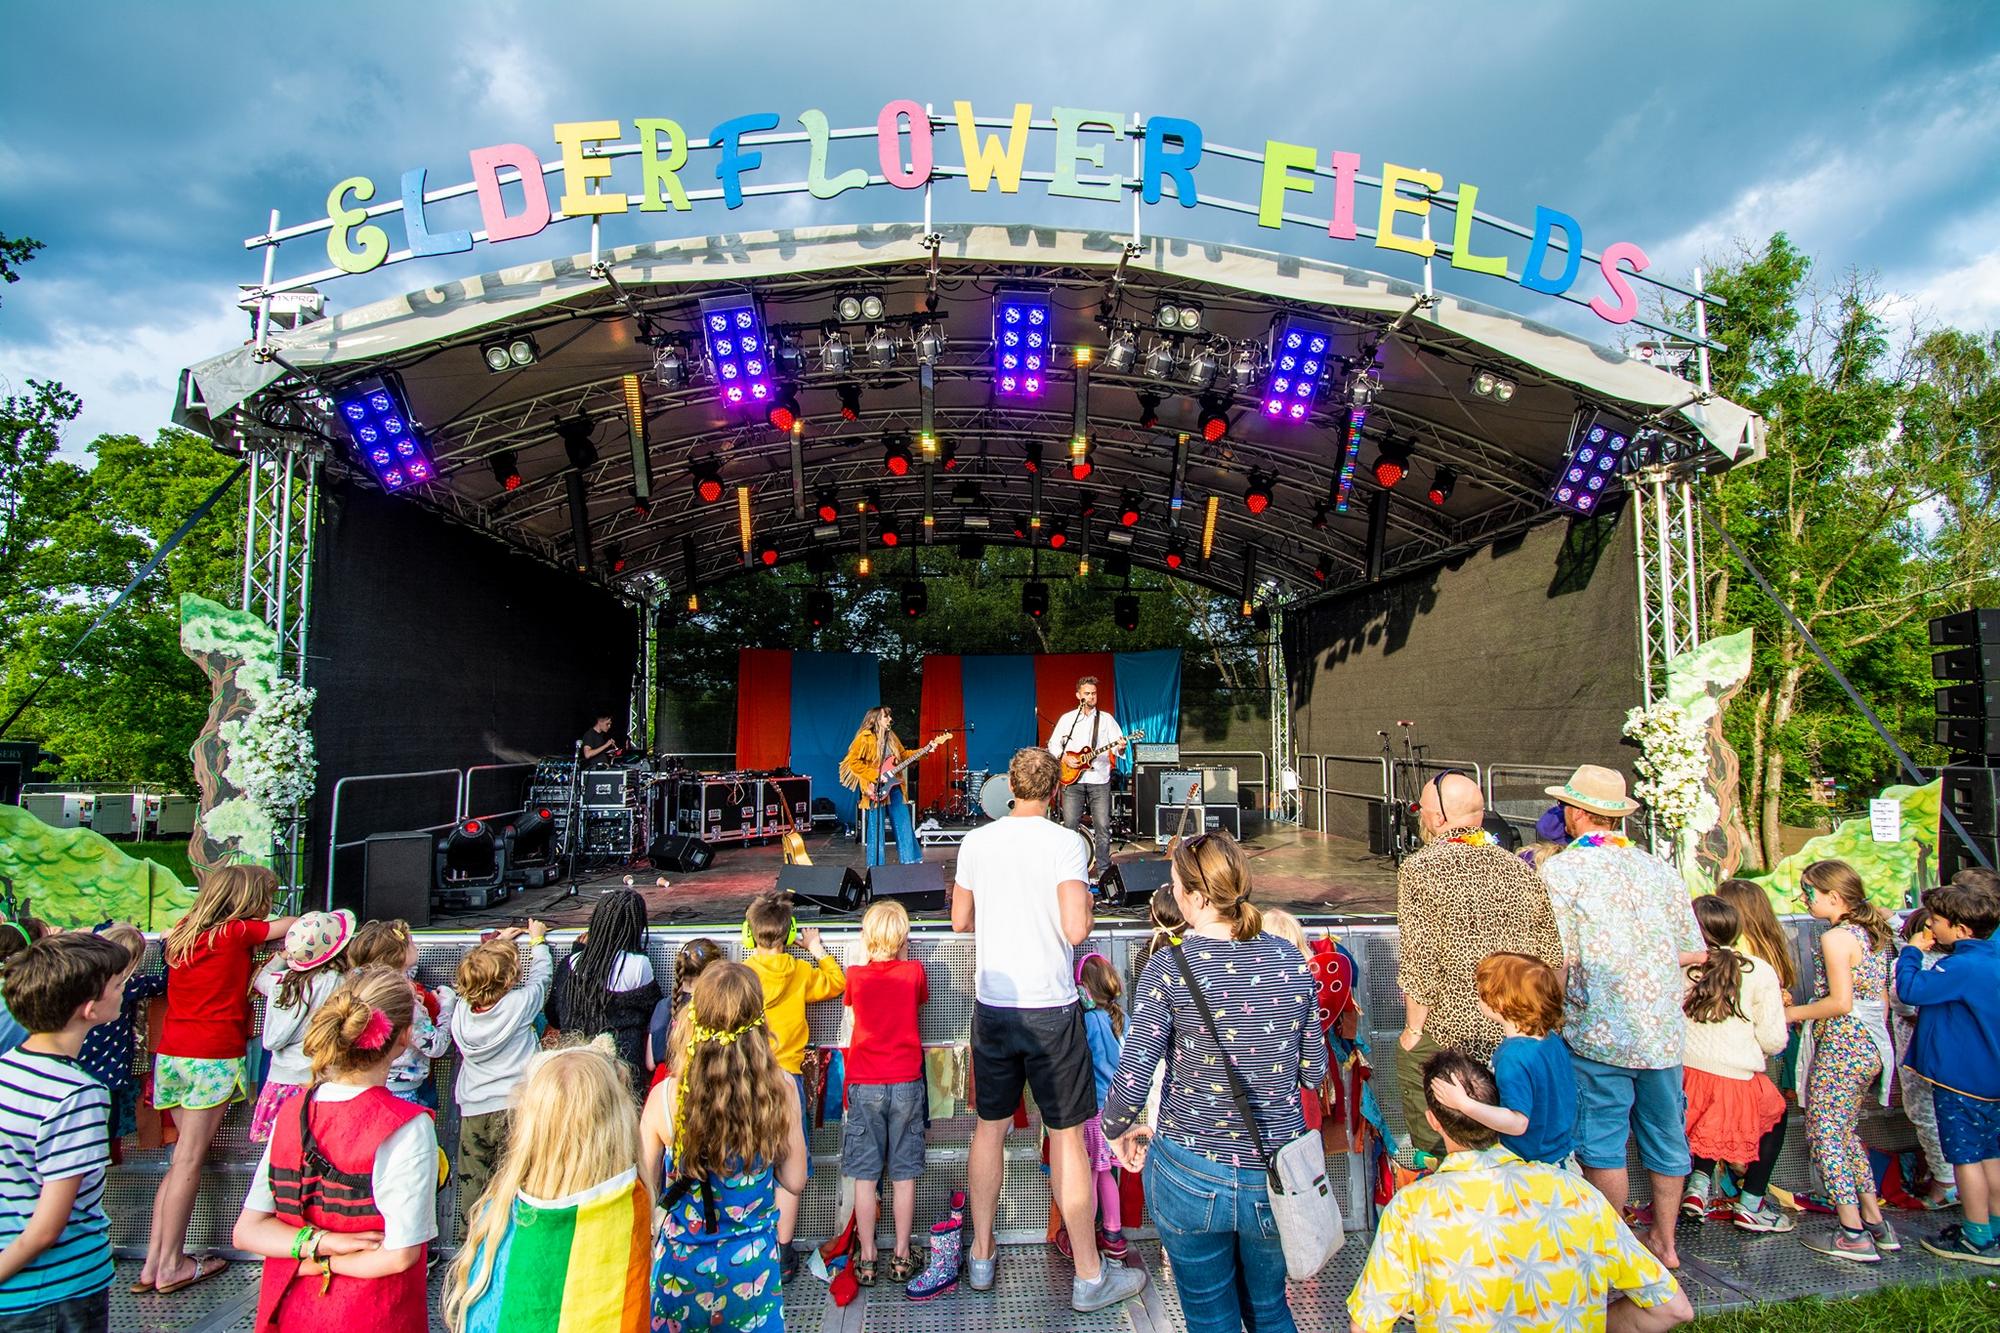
{"x":1964,"y":627}
{"x":1133,"y":883}
{"x":1953,"y":856}
{"x":1973,"y":794}
{"x":919,"y":887}
{"x":396,"y":871}
{"x":1971,"y":698}
{"x":829,"y":888}
{"x":677,"y":851}
{"x":1969,"y":735}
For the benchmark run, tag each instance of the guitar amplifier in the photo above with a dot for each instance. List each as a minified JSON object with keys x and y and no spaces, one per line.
{"x":784,"y":803}
{"x":605,"y":788}
{"x":1201,"y":819}
{"x":1178,"y":784}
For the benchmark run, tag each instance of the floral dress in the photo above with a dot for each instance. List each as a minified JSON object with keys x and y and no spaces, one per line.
{"x":1847,"y":1055}
{"x":715,"y":1260}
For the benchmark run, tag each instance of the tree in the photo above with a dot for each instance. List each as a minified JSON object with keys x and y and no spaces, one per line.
{"x":14,"y":252}
{"x":1873,"y":510}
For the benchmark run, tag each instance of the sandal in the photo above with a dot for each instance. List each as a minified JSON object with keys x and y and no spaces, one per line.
{"x":205,"y":1267}
{"x":140,"y":1288}
{"x":864,"y":1272}
{"x":902,"y":1267}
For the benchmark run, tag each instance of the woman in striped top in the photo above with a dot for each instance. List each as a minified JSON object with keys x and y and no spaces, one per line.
{"x":1205,"y":1184}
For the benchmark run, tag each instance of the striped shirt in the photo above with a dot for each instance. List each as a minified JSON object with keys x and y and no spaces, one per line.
{"x":52,"y":1127}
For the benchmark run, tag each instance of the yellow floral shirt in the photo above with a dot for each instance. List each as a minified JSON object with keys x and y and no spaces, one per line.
{"x":1492,"y":1242}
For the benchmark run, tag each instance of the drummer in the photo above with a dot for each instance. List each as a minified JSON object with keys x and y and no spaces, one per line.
{"x":598,"y":742}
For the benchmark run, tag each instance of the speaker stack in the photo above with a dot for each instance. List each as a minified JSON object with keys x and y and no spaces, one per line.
{"x":1966,"y":663}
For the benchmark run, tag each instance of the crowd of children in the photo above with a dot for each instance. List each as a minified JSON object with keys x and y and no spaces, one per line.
{"x":579,"y":1213}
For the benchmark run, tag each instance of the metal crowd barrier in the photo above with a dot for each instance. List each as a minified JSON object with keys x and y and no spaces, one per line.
{"x":948,"y":960}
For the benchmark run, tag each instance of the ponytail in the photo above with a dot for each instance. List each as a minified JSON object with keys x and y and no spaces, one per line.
{"x":1715,"y":987}
{"x":1213,"y":868}
{"x":1840,"y":880}
{"x":359,"y":1021}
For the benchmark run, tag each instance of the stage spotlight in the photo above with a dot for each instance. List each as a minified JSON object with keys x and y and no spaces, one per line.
{"x":1392,"y":463}
{"x":378,"y":417}
{"x":1214,"y":419}
{"x":1178,"y":316}
{"x":670,"y":365}
{"x":1203,"y":367}
{"x":850,"y":402}
{"x":1175,"y":555}
{"x":534,"y":835}
{"x":738,"y":350}
{"x":889,"y":536}
{"x":1125,"y":611}
{"x":789,"y":357}
{"x":1122,"y":352}
{"x":768,"y":553}
{"x":1149,"y":410}
{"x":819,"y":607}
{"x":829,"y":507}
{"x":1021,"y":346}
{"x":1323,"y":570}
{"x":1160,"y":360}
{"x":1363,"y":385}
{"x":1057,"y":537}
{"x":1443,"y":485}
{"x":575,"y":433}
{"x":506,"y":470}
{"x":948,"y":454}
{"x":1492,"y":384}
{"x":1244,"y":369}
{"x":1129,"y":508}
{"x":1297,"y":363}
{"x":707,"y":476}
{"x":916,"y":599}
{"x":1086,"y":504}
{"x":468,"y":850}
{"x":835,"y":354}
{"x":881,"y":349}
{"x":614,"y":557}
{"x":1080,"y":466}
{"x":1257,"y":496}
{"x":930,"y":344}
{"x":856,"y":307}
{"x":784,"y":413}
{"x":1591,"y":465}
{"x":896,"y":455}
{"x":1035,"y":599}
{"x":510,"y":353}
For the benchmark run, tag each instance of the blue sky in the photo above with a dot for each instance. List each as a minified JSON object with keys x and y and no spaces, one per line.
{"x":142,"y":142}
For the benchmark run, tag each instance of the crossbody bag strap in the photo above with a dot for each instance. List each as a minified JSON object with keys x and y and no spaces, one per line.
{"x":1237,"y":1087}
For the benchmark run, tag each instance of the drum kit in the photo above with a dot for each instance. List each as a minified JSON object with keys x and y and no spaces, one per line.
{"x":976,"y":793}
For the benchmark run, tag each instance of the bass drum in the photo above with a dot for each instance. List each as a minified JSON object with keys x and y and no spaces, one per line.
{"x":995,"y":798}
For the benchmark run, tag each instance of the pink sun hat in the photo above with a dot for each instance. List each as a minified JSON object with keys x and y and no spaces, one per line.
{"x":316,"y":937}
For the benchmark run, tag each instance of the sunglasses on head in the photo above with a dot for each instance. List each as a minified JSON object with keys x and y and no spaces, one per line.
{"x":1192,"y":847}
{"x":1436,"y":784}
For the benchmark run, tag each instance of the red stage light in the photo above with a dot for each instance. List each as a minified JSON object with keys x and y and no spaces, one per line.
{"x":784,"y":414}
{"x":709,"y":489}
{"x":513,"y":482}
{"x":850,"y":402}
{"x":890,"y":537}
{"x":1392,"y":464}
{"x":544,"y":813}
{"x":472,"y":827}
{"x":1128,"y":512}
{"x":1081,"y":468}
{"x":1058,"y":539}
{"x":829,"y":511}
{"x":1174,"y":557}
{"x":769,"y":555}
{"x":1257,"y":498}
{"x":896,"y":456}
{"x":899,"y":466}
{"x":1214,"y":421}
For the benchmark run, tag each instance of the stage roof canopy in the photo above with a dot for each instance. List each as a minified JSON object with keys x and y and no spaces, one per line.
{"x":592,"y":326}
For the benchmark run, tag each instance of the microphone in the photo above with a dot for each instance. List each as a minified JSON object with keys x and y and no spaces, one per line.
{"x":1406,"y":724}
{"x":1383,"y":734}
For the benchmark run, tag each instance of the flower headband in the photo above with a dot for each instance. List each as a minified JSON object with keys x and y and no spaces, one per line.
{"x":721,"y":1037}
{"x":377,"y":1033}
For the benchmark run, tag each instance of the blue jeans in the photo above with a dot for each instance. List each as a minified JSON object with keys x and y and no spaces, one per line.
{"x":1216,"y":1225}
{"x":898,"y":809}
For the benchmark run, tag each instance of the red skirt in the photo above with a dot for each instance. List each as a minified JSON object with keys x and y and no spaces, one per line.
{"x":1727,"y":1116}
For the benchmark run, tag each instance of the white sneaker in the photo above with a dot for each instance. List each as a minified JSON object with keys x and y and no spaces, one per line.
{"x":1114,"y":1283}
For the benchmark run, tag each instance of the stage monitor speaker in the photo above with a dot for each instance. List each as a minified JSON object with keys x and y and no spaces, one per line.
{"x":396,"y":870}
{"x":829,"y":888}
{"x":1973,"y":794}
{"x":1133,"y":883}
{"x":920,"y":887}
{"x":677,"y":851}
{"x":1970,"y":736}
{"x":1953,"y":856}
{"x":1145,"y":795}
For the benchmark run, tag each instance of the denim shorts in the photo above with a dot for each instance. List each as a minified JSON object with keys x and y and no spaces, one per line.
{"x":884,"y":1125}
{"x":1614,"y":1104}
{"x":78,"y":1314}
{"x":1968,"y":1129}
{"x":805,"y":1119}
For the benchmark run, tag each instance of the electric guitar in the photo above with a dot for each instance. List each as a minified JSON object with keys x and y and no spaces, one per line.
{"x":892,"y":768}
{"x":1077,"y":762}
{"x":1193,"y":801}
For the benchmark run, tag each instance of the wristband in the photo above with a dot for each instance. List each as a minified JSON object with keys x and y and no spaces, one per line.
{"x":300,"y":1241}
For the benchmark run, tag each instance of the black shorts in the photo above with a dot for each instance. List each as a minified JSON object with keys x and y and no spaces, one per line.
{"x":1043,"y":1048}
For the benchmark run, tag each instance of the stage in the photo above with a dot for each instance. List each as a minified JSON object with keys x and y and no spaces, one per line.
{"x":1314,"y":875}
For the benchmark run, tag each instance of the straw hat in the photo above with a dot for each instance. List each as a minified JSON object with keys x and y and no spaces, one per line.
{"x":316,"y":937}
{"x":1597,"y":789}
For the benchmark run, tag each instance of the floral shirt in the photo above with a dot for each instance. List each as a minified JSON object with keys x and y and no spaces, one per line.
{"x":1491,"y":1241}
{"x":1456,"y":902}
{"x":1626,"y":919}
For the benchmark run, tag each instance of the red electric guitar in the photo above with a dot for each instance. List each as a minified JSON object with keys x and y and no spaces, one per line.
{"x":893,"y":768}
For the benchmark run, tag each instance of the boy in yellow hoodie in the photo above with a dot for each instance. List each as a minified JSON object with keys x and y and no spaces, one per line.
{"x":790,"y":984}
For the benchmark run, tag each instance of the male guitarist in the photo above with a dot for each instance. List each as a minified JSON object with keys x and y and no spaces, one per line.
{"x":874,"y":748}
{"x":1089,"y":728}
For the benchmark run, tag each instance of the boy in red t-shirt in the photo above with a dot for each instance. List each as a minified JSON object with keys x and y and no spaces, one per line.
{"x":885,"y":1116}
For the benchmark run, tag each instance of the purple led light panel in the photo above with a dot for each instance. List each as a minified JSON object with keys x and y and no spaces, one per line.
{"x":739,"y":351}
{"x":1298,"y":362}
{"x":1021,"y":344}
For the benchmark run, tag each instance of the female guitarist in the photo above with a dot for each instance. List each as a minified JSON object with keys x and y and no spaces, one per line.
{"x":874,"y":748}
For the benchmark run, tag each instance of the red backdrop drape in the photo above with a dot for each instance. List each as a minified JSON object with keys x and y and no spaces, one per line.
{"x":941,"y":707}
{"x":1055,"y":688}
{"x":763,"y":708}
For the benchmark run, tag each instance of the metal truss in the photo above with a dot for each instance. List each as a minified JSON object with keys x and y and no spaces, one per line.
{"x":1666,"y":531}
{"x":282,"y":511}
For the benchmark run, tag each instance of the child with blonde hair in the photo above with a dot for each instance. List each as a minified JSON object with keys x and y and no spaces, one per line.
{"x":566,"y":1201}
{"x":500,"y":991}
{"x":1279,"y":922}
{"x":294,"y":984}
{"x":718,"y":1141}
{"x":200,"y":1064}
{"x":343,"y":1206}
{"x":883,"y":1128}
{"x":391,"y":944}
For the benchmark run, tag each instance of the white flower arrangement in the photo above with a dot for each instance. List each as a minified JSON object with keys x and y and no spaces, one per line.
{"x":1672,"y":765}
{"x":271,"y":752}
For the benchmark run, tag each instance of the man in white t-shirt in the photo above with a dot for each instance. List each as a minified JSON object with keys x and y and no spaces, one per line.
{"x":1088,"y":727}
{"x":1022,"y":878}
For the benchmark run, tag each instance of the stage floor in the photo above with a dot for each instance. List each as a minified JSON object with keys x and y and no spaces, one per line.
{"x":1311,"y":874}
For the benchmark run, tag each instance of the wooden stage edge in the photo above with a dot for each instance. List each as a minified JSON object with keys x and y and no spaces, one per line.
{"x":1316,"y":876}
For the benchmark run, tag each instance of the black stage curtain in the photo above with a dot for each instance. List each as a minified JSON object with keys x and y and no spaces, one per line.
{"x":434,"y":646}
{"x":1526,"y":652}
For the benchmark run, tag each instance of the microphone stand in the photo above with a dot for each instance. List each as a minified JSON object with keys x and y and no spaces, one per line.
{"x":573,"y":827}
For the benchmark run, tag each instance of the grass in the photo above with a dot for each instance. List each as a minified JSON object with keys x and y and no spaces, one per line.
{"x":172,"y":854}
{"x":1946,"y":1307}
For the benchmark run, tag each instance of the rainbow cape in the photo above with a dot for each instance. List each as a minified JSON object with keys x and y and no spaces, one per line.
{"x":580,"y":1264}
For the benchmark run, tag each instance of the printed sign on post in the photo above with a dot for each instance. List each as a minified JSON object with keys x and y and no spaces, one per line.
{"x":1885,"y":819}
